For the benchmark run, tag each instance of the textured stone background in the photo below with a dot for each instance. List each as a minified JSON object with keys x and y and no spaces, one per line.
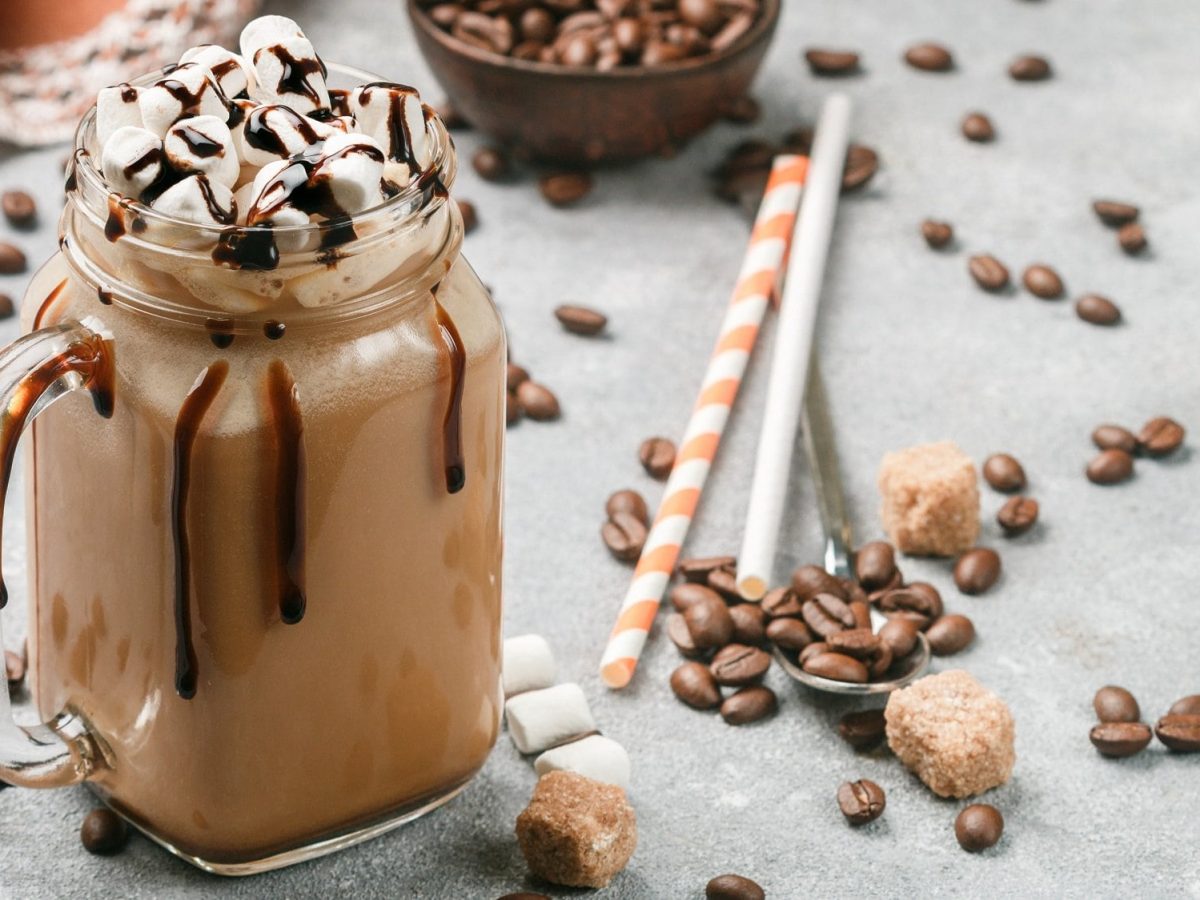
{"x":1103,"y":591}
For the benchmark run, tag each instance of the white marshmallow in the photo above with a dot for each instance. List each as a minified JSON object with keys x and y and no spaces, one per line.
{"x":294,"y":133}
{"x":232,"y":73}
{"x":116,"y":107}
{"x":190,"y":144}
{"x":265,"y":193}
{"x":196,"y":199}
{"x":352,"y":165}
{"x":186,"y":91}
{"x":294,"y":56}
{"x":528,"y":664}
{"x":595,"y":757}
{"x":539,"y":720}
{"x":376,"y":107}
{"x":265,"y":31}
{"x":132,"y":160}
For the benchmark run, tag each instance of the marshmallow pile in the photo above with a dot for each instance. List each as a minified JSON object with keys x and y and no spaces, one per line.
{"x":258,"y":138}
{"x":554,"y":720}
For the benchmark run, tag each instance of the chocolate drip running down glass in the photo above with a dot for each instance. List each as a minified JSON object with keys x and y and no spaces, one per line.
{"x":265,"y":579}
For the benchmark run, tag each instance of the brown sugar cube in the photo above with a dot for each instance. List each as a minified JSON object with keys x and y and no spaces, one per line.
{"x":576,"y":831}
{"x":953,"y":733}
{"x":930,"y":500}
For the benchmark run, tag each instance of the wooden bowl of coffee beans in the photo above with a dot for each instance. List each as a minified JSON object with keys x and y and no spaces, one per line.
{"x":589,"y":81}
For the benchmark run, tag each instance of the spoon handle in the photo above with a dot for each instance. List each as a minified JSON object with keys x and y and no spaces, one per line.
{"x":819,"y":445}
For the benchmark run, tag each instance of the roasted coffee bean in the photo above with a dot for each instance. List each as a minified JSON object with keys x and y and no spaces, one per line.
{"x":581,"y":320}
{"x":733,"y":887}
{"x":826,"y":614}
{"x":525,"y":895}
{"x":937,"y":234}
{"x":657,"y":455}
{"x":978,"y":827}
{"x":929,"y":58}
{"x":1120,"y":739}
{"x":516,"y":375}
{"x":978,"y":128}
{"x":1097,"y":310}
{"x":1186,"y":706}
{"x":537,"y":24}
{"x":12,"y":260}
{"x":1180,"y":733}
{"x":875,"y":565}
{"x":697,"y":569}
{"x":1132,"y":238}
{"x":444,"y":14}
{"x":470,"y":218}
{"x":538,"y":402}
{"x":749,"y":623}
{"x":677,"y":631}
{"x":1017,"y":515}
{"x":861,"y":643}
{"x":861,"y":610}
{"x":789,"y":634}
{"x":737,"y":665}
{"x":659,"y":53}
{"x":989,"y":273}
{"x":863,"y":730}
{"x":918,"y":606}
{"x":705,"y":15}
{"x":485,"y":32}
{"x":14,"y":668}
{"x":1029,"y":68}
{"x":689,"y":594}
{"x":861,"y":801}
{"x":723,"y":580}
{"x":861,"y":165}
{"x":743,"y":110}
{"x":578,"y":51}
{"x":831,"y":62}
{"x":1004,"y":473}
{"x":103,"y":832}
{"x":1042,"y":281}
{"x":808,"y":581}
{"x":901,"y":635}
{"x":628,"y":501}
{"x":625,"y":535}
{"x":1115,"y":214}
{"x":950,"y":634}
{"x":749,"y":704}
{"x":854,"y":592}
{"x":977,"y":570}
{"x":729,"y":34}
{"x":512,"y":409}
{"x":709,"y":624}
{"x":1115,"y":704}
{"x":1114,"y":437}
{"x":19,"y":208}
{"x":837,"y":667}
{"x":6,"y":307}
{"x":694,"y":684}
{"x":565,"y":188}
{"x":1110,"y":467}
{"x":781,"y":602}
{"x":491,"y":163}
{"x":1160,"y":436}
{"x":815,"y":649}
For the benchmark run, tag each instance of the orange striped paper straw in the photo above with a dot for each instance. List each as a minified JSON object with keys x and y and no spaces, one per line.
{"x":761,"y":269}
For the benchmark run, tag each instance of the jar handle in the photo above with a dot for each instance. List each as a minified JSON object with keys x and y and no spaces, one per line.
{"x":35,"y":371}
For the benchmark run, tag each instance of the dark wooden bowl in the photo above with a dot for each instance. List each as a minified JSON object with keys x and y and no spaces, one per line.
{"x":581,"y":116}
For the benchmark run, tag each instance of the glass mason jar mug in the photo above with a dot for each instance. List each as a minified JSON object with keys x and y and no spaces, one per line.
{"x":264,"y":580}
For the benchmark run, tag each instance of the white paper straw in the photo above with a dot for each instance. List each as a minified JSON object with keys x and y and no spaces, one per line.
{"x":793,"y":348}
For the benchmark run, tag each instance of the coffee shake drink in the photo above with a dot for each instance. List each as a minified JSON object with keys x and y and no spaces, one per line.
{"x":266,"y":579}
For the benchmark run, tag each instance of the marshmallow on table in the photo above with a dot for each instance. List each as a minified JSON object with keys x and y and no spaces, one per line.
{"x":229,"y":70}
{"x":132,"y":160}
{"x":528,"y":664}
{"x":595,"y":757}
{"x":203,"y":145}
{"x":116,"y":107}
{"x":539,"y":720}
{"x":186,"y":91}
{"x":288,"y":71}
{"x":196,"y":199}
{"x":394,"y":116}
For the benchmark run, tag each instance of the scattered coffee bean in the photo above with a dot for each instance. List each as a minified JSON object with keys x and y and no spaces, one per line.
{"x":491,"y":163}
{"x":1115,"y":214}
{"x":565,"y":188}
{"x":737,"y":665}
{"x":6,"y":307}
{"x":697,"y":569}
{"x":1161,"y":436}
{"x":989,"y":273}
{"x":978,"y":827}
{"x":813,"y":650}
{"x":826,"y":614}
{"x":1115,"y":704}
{"x":581,"y":320}
{"x":723,"y":580}
{"x":12,"y":260}
{"x":709,"y":624}
{"x":929,"y":58}
{"x":861,"y":165}
{"x":1114,"y":437}
{"x":1097,"y":309}
{"x":1112,"y":466}
{"x":977,"y":570}
{"x":875,"y":565}
{"x":516,"y":376}
{"x":917,"y":606}
{"x":19,"y":208}
{"x":1120,"y":739}
{"x":863,"y":730}
{"x":688,"y":594}
{"x":861,"y":610}
{"x":978,"y":128}
{"x":1004,"y":473}
{"x":749,"y":624}
{"x":950,"y":634}
{"x":1180,"y":733}
{"x":513,"y":412}
{"x":677,"y":631}
{"x":103,"y":832}
{"x":470,"y":218}
{"x":625,"y":535}
{"x":14,"y":668}
{"x":1186,"y":706}
{"x":525,"y":895}
{"x":901,"y":635}
{"x":743,"y":110}
{"x":657,"y":455}
{"x":628,"y":501}
{"x":538,"y":402}
{"x":789,"y":634}
{"x":451,"y":117}
{"x":1030,"y":68}
{"x":750,"y":704}
{"x":861,"y":801}
{"x":1018,"y":515}
{"x":1132,"y":238}
{"x":837,"y":667}
{"x":937,"y":234}
{"x":1042,"y":281}
{"x":694,"y":684}
{"x":733,"y":887}
{"x":810,"y":580}
{"x":860,"y":643}
{"x":831,"y":62}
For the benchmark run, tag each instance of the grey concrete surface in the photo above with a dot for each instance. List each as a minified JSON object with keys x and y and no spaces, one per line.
{"x":1103,"y":591}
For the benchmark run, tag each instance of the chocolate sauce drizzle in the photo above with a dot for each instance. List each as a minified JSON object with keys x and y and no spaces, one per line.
{"x":40,"y":315}
{"x":220,"y":332}
{"x":273,"y":330}
{"x":293,"y":79}
{"x":290,"y":493}
{"x":400,"y":142}
{"x":104,"y":295}
{"x":452,"y":450}
{"x":187,"y":427}
{"x":198,"y":142}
